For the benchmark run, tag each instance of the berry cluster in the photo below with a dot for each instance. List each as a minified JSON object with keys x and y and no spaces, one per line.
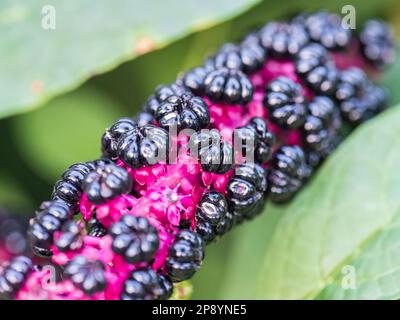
{"x":129,"y":225}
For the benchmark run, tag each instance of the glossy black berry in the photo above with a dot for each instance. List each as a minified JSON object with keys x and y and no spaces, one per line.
{"x":378,"y":44}
{"x":143,"y":146}
{"x":248,"y":56}
{"x":358,"y":98}
{"x":95,"y":228}
{"x":13,"y":275}
{"x":255,"y":137}
{"x":320,"y":131}
{"x":134,"y":238}
{"x":86,"y":275}
{"x":210,"y":213}
{"x":185,"y":256}
{"x":183,"y":112}
{"x":161,"y":94}
{"x":109,"y":141}
{"x":70,"y":237}
{"x":194,"y":78}
{"x":50,"y":218}
{"x":214,"y":154}
{"x":285,"y":103}
{"x":246,"y":191}
{"x":314,"y":66}
{"x":146,"y":284}
{"x":228,"y":85}
{"x":287,"y":174}
{"x":326,"y":28}
{"x":282,"y":40}
{"x":106,"y":183}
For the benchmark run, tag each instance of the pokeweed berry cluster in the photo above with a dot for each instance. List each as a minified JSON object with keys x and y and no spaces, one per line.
{"x":132,"y":223}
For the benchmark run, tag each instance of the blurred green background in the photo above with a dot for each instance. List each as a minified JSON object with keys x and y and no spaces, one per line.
{"x":38,"y":144}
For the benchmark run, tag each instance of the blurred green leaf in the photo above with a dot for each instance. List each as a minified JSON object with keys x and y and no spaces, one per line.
{"x":182,"y":291}
{"x":89,"y":38}
{"x":67,"y":130}
{"x":341,"y":218}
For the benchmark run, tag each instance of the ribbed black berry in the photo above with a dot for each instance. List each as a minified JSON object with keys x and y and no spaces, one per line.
{"x":210,"y":213}
{"x":248,"y":56}
{"x":282,"y":40}
{"x":228,"y":85}
{"x":95,"y":228}
{"x":48,"y":219}
{"x":214,"y":154}
{"x":13,"y":275}
{"x":255,"y":137}
{"x":316,"y":69}
{"x":134,"y":238}
{"x":106,"y":183}
{"x":326,"y":28}
{"x":322,"y":125}
{"x":185,"y":256}
{"x":70,"y":237}
{"x":109,"y":141}
{"x":161,"y":94}
{"x":194,"y":78}
{"x":378,"y":44}
{"x":146,"y":284}
{"x":13,"y":229}
{"x":183,"y":112}
{"x":359,"y":99}
{"x":86,"y":275}
{"x":246,"y":191}
{"x":288,"y":172}
{"x":69,"y":187}
{"x":143,"y":146}
{"x":285,"y":103}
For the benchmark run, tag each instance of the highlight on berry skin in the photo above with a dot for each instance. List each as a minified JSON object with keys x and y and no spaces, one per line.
{"x":209,"y":149}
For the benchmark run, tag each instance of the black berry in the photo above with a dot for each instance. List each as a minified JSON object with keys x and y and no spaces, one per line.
{"x":48,"y":219}
{"x":285,"y":103}
{"x":106,"y":183}
{"x":70,"y":238}
{"x":13,"y":275}
{"x":134,"y":238}
{"x":228,"y":85}
{"x":282,"y":39}
{"x":326,"y":28}
{"x":210,"y":213}
{"x":146,"y":284}
{"x":86,"y":275}
{"x":109,"y":141}
{"x":359,"y":99}
{"x":322,"y":125}
{"x":313,"y":65}
{"x":185,"y":256}
{"x":143,"y":146}
{"x":378,"y":44}
{"x":255,"y":137}
{"x":215,"y":155}
{"x":288,"y":172}
{"x":246,"y":191}
{"x":161,"y":94}
{"x":95,"y":228}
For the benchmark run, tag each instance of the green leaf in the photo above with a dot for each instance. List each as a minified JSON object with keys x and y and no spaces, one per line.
{"x":347,"y":216}
{"x":182,"y":291}
{"x":89,"y":38}
{"x":67,"y":130}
